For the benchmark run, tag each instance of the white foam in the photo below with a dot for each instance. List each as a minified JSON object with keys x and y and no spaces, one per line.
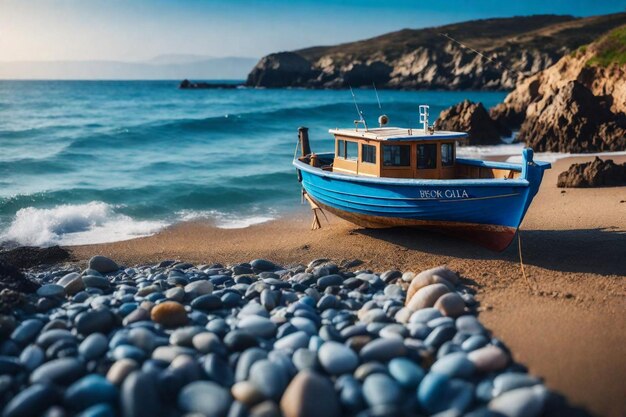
{"x":224,"y":220}
{"x":76,"y":224}
{"x":554,"y":156}
{"x":490,"y":150}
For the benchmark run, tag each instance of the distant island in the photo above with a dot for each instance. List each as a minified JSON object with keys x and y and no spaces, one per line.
{"x":425,"y":59}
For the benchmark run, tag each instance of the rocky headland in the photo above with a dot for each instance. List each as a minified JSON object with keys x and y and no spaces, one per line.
{"x":425,"y":59}
{"x":576,"y":105}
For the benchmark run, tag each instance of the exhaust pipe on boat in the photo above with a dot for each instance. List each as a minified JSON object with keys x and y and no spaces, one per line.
{"x":303,"y":137}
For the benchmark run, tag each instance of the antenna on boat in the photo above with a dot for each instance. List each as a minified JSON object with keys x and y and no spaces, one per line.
{"x":493,"y":61}
{"x":382,"y":119}
{"x":359,"y":112}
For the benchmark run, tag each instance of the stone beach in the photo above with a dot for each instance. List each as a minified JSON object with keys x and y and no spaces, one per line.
{"x":255,"y":339}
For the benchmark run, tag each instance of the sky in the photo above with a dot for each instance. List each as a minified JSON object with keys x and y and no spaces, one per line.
{"x":136,"y":30}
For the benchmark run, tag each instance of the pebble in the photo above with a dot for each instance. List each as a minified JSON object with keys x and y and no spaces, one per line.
{"x":120,"y":370}
{"x":268,"y":378}
{"x":454,"y":365}
{"x":72,"y":283}
{"x":139,"y":396}
{"x":62,"y":371}
{"x":382,"y":350}
{"x":32,"y":401}
{"x":258,"y":326}
{"x":94,"y":321}
{"x":252,"y":340}
{"x":169,"y":314}
{"x":51,"y":291}
{"x":93,"y":346}
{"x":489,"y":358}
{"x":512,"y":380}
{"x":406,"y":372}
{"x":427,"y":296}
{"x":310,"y":395}
{"x":336,"y":358}
{"x":380,"y":389}
{"x":103,"y":265}
{"x":450,"y":304}
{"x":90,"y":390}
{"x":522,"y":402}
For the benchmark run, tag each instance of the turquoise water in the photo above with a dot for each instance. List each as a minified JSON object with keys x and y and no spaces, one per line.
{"x":86,"y":162}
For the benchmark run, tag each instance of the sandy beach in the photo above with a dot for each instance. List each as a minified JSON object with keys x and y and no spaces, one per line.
{"x":566,"y":323}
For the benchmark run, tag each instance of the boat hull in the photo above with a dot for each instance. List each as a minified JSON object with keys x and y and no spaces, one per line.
{"x":486,"y":211}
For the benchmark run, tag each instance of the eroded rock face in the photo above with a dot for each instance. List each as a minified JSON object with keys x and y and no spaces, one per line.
{"x":472,"y":118}
{"x":572,"y":119}
{"x":597,"y":173}
{"x":283,"y":69}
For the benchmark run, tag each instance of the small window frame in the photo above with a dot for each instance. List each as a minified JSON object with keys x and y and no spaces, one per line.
{"x":449,"y":153}
{"x":419,"y":152}
{"x":348,"y":154}
{"x":390,"y":164}
{"x":341,"y":148}
{"x":368,"y":154}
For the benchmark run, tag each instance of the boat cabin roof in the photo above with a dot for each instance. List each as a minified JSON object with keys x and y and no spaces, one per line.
{"x":398,"y":134}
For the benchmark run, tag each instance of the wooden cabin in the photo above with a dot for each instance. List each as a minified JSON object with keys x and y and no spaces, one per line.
{"x":405,"y":153}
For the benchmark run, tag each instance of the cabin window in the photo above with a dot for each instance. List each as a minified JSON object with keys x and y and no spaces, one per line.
{"x":368,"y":153}
{"x":341,"y":148}
{"x":352,"y":150}
{"x":447,"y":154}
{"x":397,"y":155}
{"x":427,"y":156}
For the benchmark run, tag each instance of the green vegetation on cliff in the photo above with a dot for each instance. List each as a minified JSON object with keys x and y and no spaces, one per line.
{"x":611,"y":49}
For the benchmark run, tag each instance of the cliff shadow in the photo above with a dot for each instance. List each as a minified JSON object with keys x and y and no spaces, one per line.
{"x":600,"y":251}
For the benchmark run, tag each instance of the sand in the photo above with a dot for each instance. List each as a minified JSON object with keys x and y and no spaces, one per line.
{"x":567,"y":323}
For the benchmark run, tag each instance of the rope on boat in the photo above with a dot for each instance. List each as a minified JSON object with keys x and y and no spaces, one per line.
{"x":521,"y":263}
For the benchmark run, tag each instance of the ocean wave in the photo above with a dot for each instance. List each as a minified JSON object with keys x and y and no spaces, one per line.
{"x":555,"y":156}
{"x":75,"y":224}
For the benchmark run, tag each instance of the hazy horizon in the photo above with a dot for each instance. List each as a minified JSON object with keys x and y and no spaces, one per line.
{"x":49,"y":33}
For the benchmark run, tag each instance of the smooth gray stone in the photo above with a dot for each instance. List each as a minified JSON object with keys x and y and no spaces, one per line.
{"x":10,"y":365}
{"x":469,"y":324}
{"x":90,"y":390}
{"x":184,"y":335}
{"x":406,"y":372}
{"x":246,"y":360}
{"x":139,"y":396}
{"x":142,"y":338}
{"x":425,"y":315}
{"x":94,"y":346}
{"x":32,"y":356}
{"x":336,"y":358}
{"x":305,"y":359}
{"x":351,"y":394}
{"x":72,"y":283}
{"x":49,"y":337}
{"x":218,"y":370}
{"x":329,"y":281}
{"x":474,"y":342}
{"x":304,"y":324}
{"x":381,"y":389}
{"x":51,"y":291}
{"x":269,"y":299}
{"x":521,"y":402}
{"x":207,"y":342}
{"x":103,"y":265}
{"x":61,"y":371}
{"x":94,"y":321}
{"x":27,"y":331}
{"x":382,"y":350}
{"x":263,"y":265}
{"x":269,"y":378}
{"x":93,"y":281}
{"x":293,"y":341}
{"x":454,"y":365}
{"x":512,"y":380}
{"x":258,"y":326}
{"x":207,"y":302}
{"x":200,"y":287}
{"x":32,"y":401}
{"x":439,"y":336}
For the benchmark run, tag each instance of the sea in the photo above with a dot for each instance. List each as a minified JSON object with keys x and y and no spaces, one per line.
{"x":99,"y":161}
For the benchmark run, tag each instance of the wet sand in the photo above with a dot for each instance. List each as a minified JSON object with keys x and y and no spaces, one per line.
{"x":566,"y":323}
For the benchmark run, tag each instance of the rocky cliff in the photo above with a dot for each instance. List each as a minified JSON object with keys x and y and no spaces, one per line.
{"x":474,"y":119}
{"x":424,"y":59}
{"x":576,"y":105}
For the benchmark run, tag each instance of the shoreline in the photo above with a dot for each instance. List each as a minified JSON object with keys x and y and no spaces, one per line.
{"x":566,"y":331}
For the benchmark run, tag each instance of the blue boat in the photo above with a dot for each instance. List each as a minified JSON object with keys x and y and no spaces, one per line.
{"x":395,"y":177}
